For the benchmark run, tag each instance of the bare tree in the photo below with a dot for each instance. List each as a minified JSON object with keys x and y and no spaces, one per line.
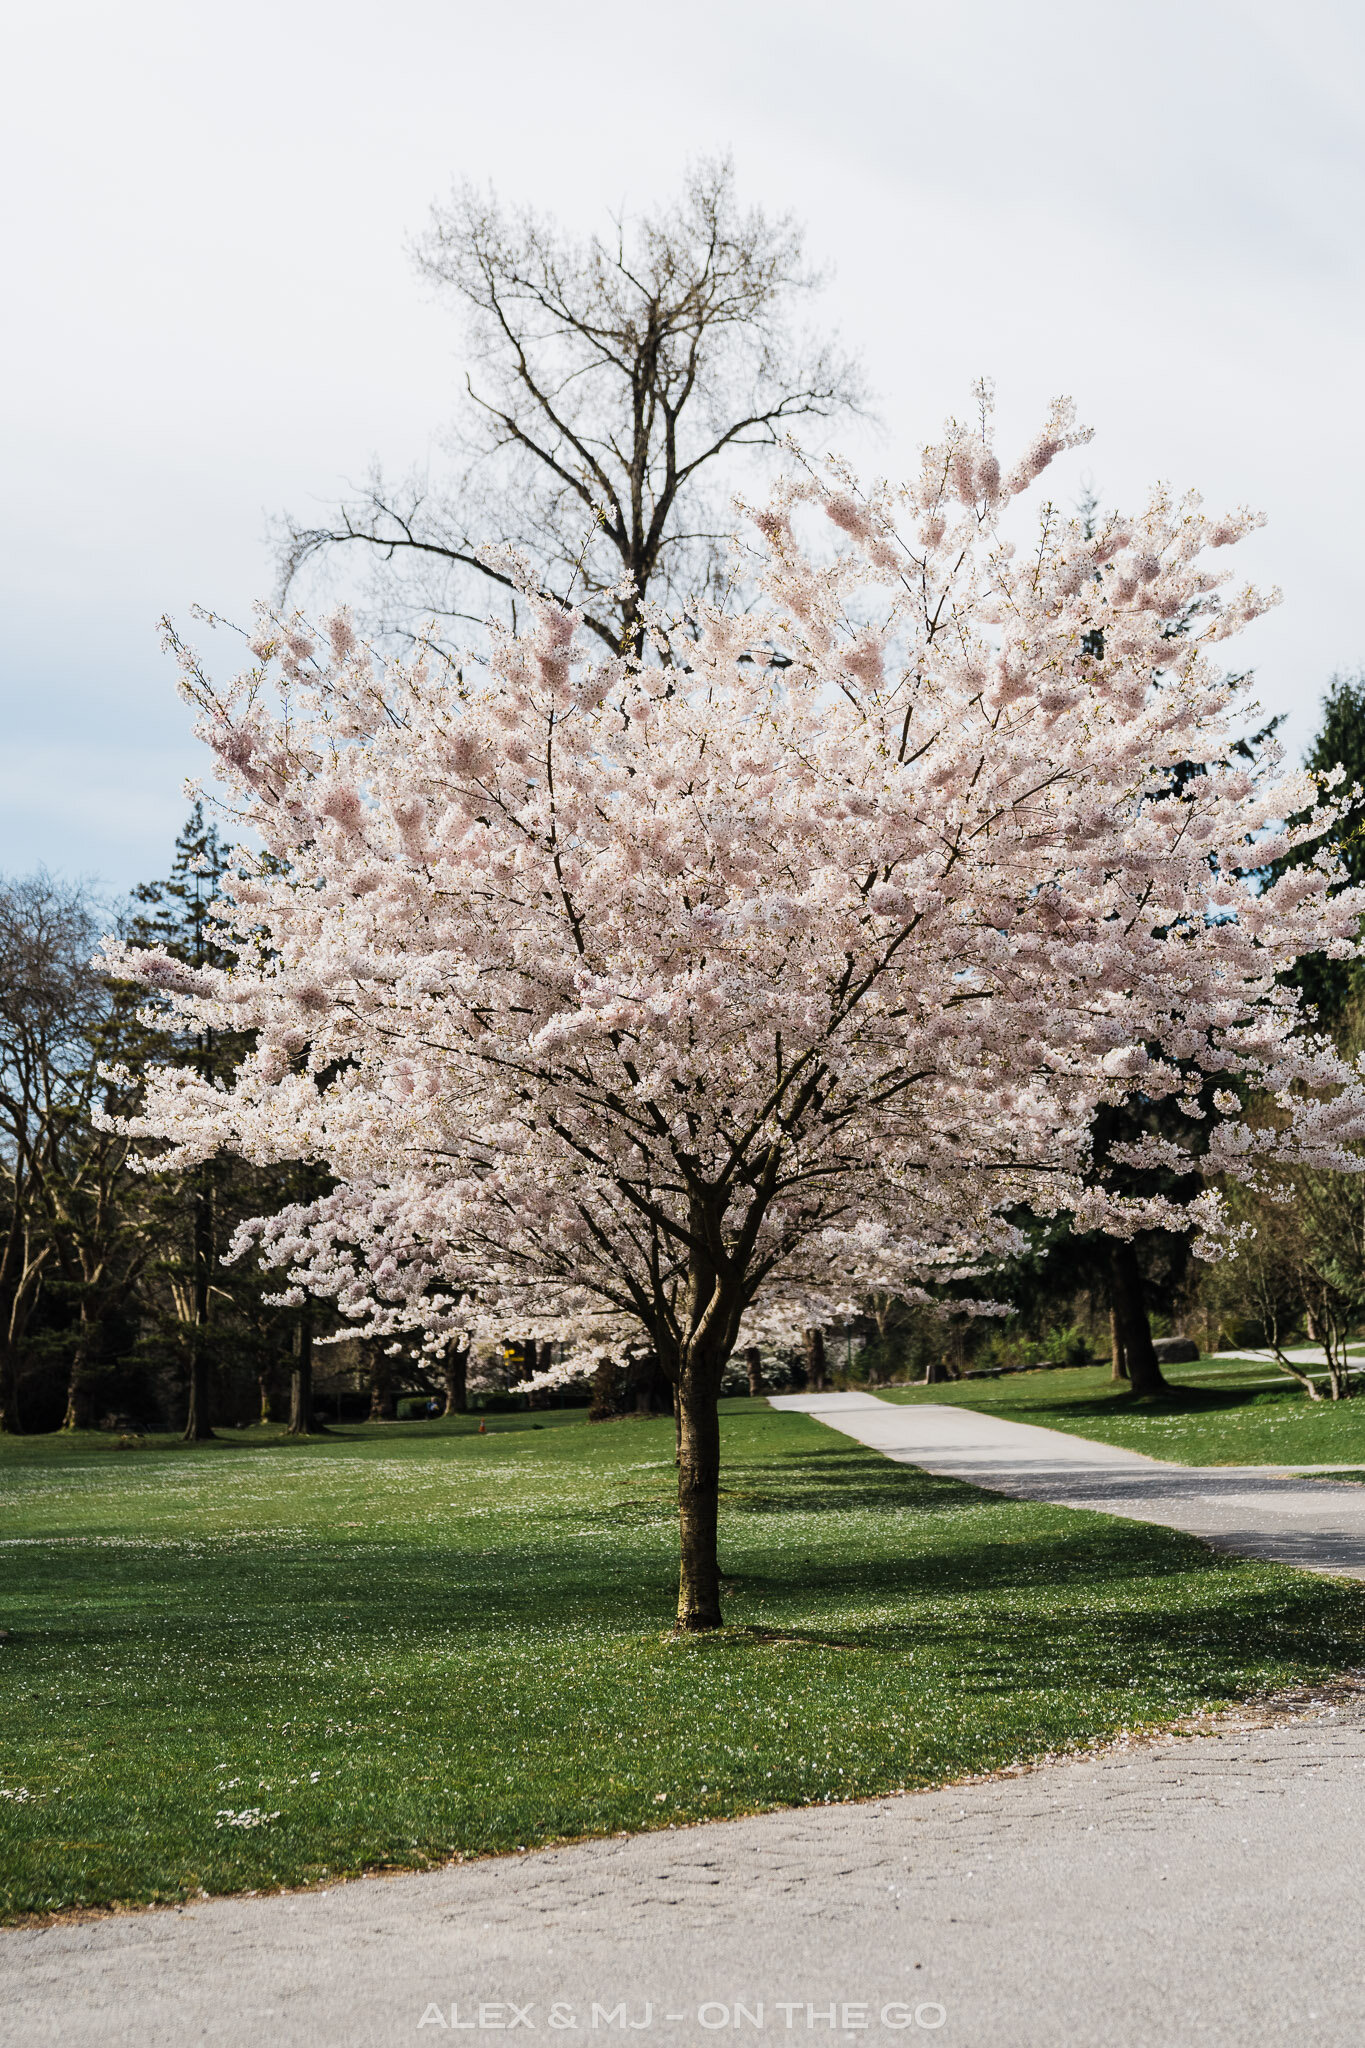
{"x":612,"y":384}
{"x":50,"y":1002}
{"x":97,"y":1216}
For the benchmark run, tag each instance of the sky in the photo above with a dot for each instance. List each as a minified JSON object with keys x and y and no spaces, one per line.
{"x":210,"y":316}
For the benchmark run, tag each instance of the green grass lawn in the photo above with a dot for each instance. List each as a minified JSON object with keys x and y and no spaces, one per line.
{"x":1221,"y":1413}
{"x":398,"y":1643}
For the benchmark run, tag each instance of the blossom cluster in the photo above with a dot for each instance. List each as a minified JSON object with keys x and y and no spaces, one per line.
{"x":621,"y":994}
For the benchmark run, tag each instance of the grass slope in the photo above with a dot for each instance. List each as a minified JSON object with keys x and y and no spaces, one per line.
{"x":1221,"y":1412}
{"x":403,"y":1642}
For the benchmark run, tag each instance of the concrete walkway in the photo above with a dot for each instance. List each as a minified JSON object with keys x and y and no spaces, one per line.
{"x":1201,"y":1890}
{"x":1253,"y":1511}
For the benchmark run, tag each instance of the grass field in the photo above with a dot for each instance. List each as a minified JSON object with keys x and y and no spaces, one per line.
{"x":1223,"y":1412}
{"x":251,"y":1663}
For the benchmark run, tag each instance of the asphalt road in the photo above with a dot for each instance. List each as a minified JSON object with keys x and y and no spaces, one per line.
{"x":1253,"y":1511}
{"x":1204,"y":1890}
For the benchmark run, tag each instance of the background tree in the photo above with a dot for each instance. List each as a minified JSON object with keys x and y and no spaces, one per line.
{"x":1339,"y":744}
{"x":612,"y":385}
{"x":208,"y":1318}
{"x":109,"y":1277}
{"x":907,"y":1339}
{"x":51,"y":1004}
{"x":176,"y":917}
{"x":382,"y":1374}
{"x":813,"y":1345}
{"x":98,"y":1215}
{"x":453,"y":1367}
{"x":1302,"y":1273}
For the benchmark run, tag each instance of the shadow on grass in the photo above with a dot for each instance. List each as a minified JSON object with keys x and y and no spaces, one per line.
{"x":1117,"y":1629}
{"x":45,"y":1447}
{"x":1176,"y":1401}
{"x":1090,"y":1646}
{"x":836,"y":1482}
{"x":262,"y":1591}
{"x":815,"y":1482}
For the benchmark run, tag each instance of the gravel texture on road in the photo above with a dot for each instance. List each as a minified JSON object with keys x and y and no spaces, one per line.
{"x":1197,"y":1889}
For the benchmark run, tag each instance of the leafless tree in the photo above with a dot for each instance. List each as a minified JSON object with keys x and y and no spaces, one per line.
{"x":612,"y":387}
{"x":51,"y":1001}
{"x":98,"y":1222}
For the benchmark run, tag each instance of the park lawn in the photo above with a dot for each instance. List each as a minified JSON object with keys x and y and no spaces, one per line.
{"x":1221,"y":1413}
{"x":254,"y":1663}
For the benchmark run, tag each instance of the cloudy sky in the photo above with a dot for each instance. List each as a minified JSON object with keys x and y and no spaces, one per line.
{"x":210,"y":317}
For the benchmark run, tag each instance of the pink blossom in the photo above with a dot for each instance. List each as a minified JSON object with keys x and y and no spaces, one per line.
{"x":652,"y":1000}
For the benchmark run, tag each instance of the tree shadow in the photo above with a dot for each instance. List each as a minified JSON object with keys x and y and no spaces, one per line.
{"x":835,"y":1481}
{"x":570,"y":1580}
{"x":1176,"y":1401}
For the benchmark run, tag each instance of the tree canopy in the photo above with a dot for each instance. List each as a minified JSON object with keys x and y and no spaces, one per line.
{"x":686,"y":993}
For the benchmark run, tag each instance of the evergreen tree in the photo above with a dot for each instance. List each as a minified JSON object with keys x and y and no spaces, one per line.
{"x":178,"y":916}
{"x":1330,"y":985}
{"x":209,"y":1320}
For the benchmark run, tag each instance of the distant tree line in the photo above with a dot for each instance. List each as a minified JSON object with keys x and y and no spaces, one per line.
{"x":118,"y":1302}
{"x":119,"y":1305}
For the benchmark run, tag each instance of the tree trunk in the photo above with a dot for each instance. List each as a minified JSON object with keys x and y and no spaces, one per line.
{"x":301,"y":1418}
{"x":9,"y":1390}
{"x":20,"y":1279}
{"x":455,"y":1373}
{"x":1333,"y":1341}
{"x":936,"y":1373}
{"x":814,"y":1341}
{"x":605,"y":1394}
{"x":698,"y":1498}
{"x":754,"y":1361}
{"x":80,"y":1408}
{"x":1134,"y":1330}
{"x":1118,"y":1366}
{"x":269,"y":1385}
{"x":649,"y":1390}
{"x":80,"y":1404}
{"x":198,"y":1422}
{"x":380,"y":1369}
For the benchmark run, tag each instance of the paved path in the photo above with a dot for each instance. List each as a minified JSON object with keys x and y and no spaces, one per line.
{"x":1200,"y":1891}
{"x":1254,"y":1511}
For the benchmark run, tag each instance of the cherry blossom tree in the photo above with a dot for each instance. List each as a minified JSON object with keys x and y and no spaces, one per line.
{"x":630,"y":995}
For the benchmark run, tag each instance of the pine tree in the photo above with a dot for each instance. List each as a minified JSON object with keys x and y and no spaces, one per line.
{"x":1331,"y":985}
{"x":178,"y":916}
